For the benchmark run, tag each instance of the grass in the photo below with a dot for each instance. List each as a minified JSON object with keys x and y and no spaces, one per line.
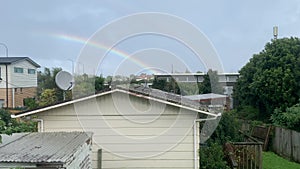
{"x":273,"y":161}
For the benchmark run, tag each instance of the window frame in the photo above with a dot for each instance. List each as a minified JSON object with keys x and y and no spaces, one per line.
{"x":18,"y":70}
{"x":31,"y":71}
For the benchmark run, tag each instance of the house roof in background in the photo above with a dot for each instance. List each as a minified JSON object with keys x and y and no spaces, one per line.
{"x":196,"y":74}
{"x":10,"y":60}
{"x":206,"y":96}
{"x":46,"y":147}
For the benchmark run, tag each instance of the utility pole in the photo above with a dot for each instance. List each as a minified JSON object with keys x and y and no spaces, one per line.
{"x":6,"y":79}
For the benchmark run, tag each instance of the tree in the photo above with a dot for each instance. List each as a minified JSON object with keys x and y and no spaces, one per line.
{"x":84,"y":86}
{"x":271,"y":79}
{"x":47,"y":97}
{"x":46,"y":80}
{"x":162,"y":84}
{"x":99,"y":83}
{"x":159,"y":83}
{"x":210,"y":83}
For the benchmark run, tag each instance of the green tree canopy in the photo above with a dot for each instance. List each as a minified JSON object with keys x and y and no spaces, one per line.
{"x":162,"y":84}
{"x":271,"y":78}
{"x":210,"y":83}
{"x":46,"y":80}
{"x":47,"y":97}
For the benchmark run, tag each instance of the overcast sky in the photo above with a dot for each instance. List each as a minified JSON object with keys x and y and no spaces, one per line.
{"x":53,"y":32}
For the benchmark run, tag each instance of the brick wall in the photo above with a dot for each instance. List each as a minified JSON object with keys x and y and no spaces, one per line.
{"x":19,"y":95}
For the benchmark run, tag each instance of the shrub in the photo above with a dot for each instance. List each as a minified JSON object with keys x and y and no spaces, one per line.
{"x":289,"y":119}
{"x":9,"y":125}
{"x":212,"y":157}
{"x":227,"y":130}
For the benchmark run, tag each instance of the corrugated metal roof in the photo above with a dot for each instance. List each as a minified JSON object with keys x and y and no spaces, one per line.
{"x":48,"y":147}
{"x":10,"y":60}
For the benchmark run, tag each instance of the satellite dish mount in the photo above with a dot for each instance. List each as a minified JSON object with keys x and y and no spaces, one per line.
{"x":65,"y":81}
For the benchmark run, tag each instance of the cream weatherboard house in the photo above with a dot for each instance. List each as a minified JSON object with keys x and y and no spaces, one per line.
{"x":132,"y":128}
{"x":18,"y":80}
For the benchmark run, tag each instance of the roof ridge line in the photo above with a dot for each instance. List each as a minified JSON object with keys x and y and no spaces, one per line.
{"x":14,"y":140}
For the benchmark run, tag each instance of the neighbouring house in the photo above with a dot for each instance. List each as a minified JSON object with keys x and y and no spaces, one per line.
{"x":227,"y":80}
{"x":133,"y":128}
{"x":66,"y":150}
{"x":18,"y":79}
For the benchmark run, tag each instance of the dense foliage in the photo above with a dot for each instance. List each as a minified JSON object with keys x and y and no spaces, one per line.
{"x":49,"y":93}
{"x":210,"y":83}
{"x":290,"y":118}
{"x":227,"y":130}
{"x":46,"y":80}
{"x":9,"y":125}
{"x":212,"y":156}
{"x":162,"y":84}
{"x":271,"y":79}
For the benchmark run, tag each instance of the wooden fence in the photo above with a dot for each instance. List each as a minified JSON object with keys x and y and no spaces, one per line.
{"x":244,"y":155}
{"x":287,"y":143}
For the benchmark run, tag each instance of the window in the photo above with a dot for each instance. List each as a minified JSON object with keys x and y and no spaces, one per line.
{"x":18,"y":70}
{"x":31,"y":71}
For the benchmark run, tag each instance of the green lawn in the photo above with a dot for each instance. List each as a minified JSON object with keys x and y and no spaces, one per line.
{"x":273,"y":161}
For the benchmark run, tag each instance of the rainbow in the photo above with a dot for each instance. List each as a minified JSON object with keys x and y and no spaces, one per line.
{"x":114,"y":51}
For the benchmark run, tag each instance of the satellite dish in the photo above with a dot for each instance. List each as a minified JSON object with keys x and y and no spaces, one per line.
{"x":64,"y":80}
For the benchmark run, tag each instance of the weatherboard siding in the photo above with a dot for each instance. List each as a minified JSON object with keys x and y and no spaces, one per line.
{"x":24,"y":79}
{"x":104,"y":119}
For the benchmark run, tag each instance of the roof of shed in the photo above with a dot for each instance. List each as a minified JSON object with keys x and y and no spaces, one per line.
{"x":10,"y":60}
{"x":140,"y":91}
{"x":47,"y":147}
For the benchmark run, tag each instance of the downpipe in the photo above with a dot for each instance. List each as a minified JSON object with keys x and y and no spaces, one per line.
{"x":196,"y":160}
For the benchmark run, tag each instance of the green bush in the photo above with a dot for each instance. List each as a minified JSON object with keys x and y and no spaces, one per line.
{"x":30,"y":103}
{"x":9,"y":125}
{"x":248,"y":113}
{"x":289,"y":119}
{"x":212,"y":157}
{"x":227,"y":130}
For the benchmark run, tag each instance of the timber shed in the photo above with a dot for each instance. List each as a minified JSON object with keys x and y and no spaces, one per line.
{"x":132,"y":128}
{"x":67,"y":150}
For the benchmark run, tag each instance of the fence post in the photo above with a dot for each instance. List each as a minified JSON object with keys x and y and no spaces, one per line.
{"x":99,"y":158}
{"x":292,"y":147}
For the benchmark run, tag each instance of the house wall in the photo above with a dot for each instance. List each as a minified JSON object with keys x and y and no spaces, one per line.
{"x":20,"y":85}
{"x":3,"y":76}
{"x":17,"y":95}
{"x":22,"y":79}
{"x":137,"y":124}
